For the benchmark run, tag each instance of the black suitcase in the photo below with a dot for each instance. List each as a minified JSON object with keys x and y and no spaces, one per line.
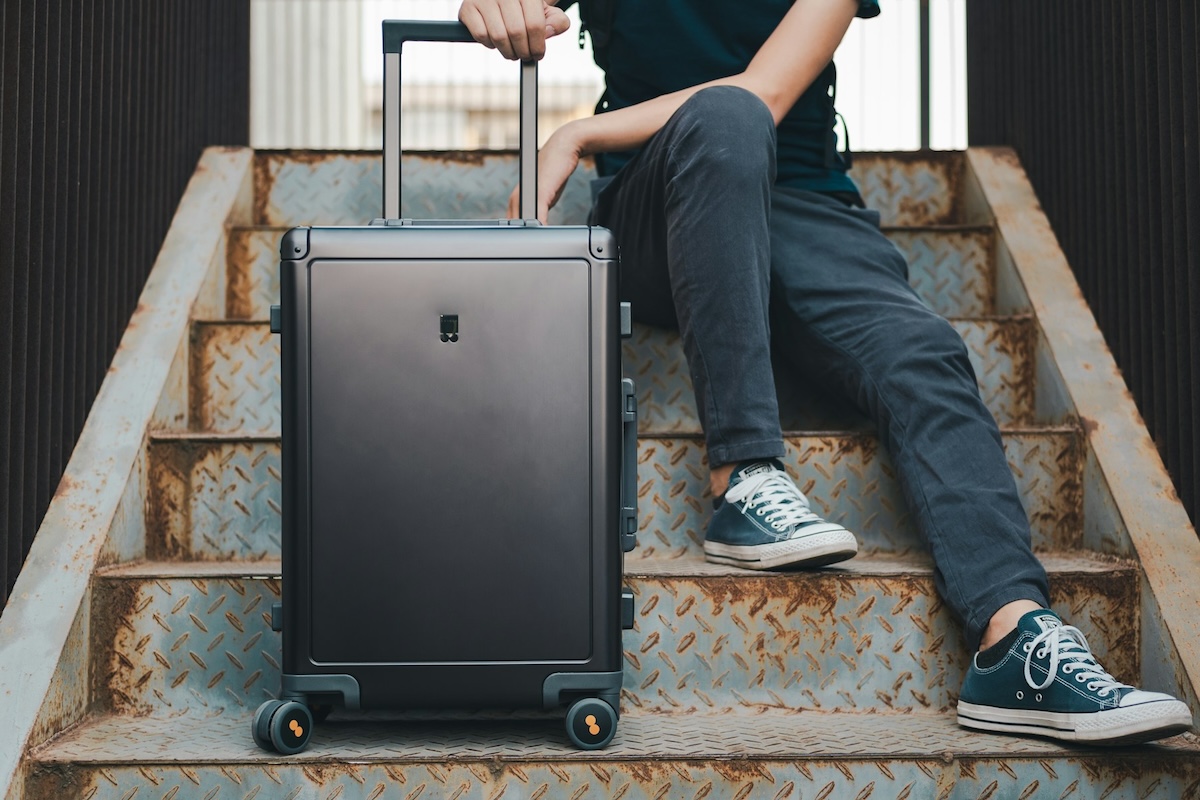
{"x":458,"y":459}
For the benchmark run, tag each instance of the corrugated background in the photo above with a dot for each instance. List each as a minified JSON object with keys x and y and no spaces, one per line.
{"x":105,"y":106}
{"x":1101,"y":99}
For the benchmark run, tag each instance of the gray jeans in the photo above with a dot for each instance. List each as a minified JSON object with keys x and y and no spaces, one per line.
{"x":710,"y":245}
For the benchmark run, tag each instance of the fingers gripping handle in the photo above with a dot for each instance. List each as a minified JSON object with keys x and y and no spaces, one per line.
{"x":395,"y":34}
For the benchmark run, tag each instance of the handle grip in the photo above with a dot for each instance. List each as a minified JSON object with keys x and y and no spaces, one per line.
{"x":398,"y":31}
{"x":395,"y":34}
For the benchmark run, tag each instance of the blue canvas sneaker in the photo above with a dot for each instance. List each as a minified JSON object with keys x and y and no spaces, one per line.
{"x":1047,"y":682}
{"x":764,"y":522}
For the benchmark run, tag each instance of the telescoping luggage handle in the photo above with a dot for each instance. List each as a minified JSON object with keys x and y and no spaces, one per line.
{"x":395,"y":34}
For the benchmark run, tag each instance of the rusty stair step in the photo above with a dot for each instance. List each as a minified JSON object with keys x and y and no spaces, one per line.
{"x":234,"y":379}
{"x":770,"y":754}
{"x":194,"y":638}
{"x":345,"y":188}
{"x":213,"y":496}
{"x":950,"y":266}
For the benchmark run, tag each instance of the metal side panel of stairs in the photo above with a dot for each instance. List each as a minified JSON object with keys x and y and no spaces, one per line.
{"x":138,"y":642}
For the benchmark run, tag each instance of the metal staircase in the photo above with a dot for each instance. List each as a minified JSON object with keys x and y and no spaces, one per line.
{"x":833,"y":683}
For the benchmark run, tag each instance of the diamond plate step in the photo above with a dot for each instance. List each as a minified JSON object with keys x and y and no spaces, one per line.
{"x":326,"y":188}
{"x":194,"y":639}
{"x":1001,"y":351}
{"x":741,"y":756}
{"x":950,"y":268}
{"x":235,"y":379}
{"x":215,"y":496}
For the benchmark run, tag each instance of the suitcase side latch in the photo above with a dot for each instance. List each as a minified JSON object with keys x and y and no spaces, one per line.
{"x":629,"y":514}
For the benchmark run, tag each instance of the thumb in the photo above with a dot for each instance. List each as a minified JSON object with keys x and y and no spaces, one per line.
{"x":557,"y":21}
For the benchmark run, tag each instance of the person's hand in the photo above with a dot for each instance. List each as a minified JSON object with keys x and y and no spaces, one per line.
{"x":556,"y":161}
{"x":517,"y":28}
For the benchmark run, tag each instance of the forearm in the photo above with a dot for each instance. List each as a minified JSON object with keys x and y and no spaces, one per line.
{"x":784,"y":67}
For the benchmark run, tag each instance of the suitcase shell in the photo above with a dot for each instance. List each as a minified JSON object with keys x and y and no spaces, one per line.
{"x":458,"y":460}
{"x":453,"y":523}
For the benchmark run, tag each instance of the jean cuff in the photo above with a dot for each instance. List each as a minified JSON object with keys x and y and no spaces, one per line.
{"x":721,"y":455}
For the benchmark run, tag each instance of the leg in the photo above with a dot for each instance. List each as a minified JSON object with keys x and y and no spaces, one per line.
{"x":699,"y":258}
{"x":696,"y":201}
{"x":846,"y":315}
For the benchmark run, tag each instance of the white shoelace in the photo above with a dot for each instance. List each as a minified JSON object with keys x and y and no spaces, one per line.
{"x":773,"y":496}
{"x":1069,"y":652}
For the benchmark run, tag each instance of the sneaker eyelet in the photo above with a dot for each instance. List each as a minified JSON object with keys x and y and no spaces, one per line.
{"x":1020,"y":695}
{"x":761,"y":511}
{"x":1028,"y":646}
{"x":1038,"y":697}
{"x":1080,"y":678}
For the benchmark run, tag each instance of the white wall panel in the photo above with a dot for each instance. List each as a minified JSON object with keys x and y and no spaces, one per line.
{"x":306,"y":74}
{"x":316,"y":69}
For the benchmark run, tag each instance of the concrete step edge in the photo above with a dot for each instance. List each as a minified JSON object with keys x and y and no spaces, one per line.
{"x":867,"y":566}
{"x":760,"y":736}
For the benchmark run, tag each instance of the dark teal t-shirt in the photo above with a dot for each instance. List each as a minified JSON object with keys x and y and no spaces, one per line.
{"x":662,"y":46}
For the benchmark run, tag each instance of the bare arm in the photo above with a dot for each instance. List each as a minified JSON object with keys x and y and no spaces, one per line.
{"x":785,"y":66}
{"x":796,"y":52}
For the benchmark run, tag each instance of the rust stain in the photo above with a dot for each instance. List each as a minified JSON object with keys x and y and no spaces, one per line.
{"x":113,"y":679}
{"x":465,"y":157}
{"x":239,"y":264}
{"x":199,"y":397}
{"x":1017,"y":339}
{"x":168,"y":503}
{"x":265,"y":170}
{"x":64,"y":486}
{"x":54,"y":781}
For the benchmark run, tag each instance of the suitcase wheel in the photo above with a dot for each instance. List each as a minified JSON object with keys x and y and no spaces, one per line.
{"x":284,"y":727}
{"x":290,"y":727}
{"x":260,"y":728}
{"x":591,"y":723}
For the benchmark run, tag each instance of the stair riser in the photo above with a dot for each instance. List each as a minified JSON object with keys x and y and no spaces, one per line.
{"x":1121,"y":777}
{"x":235,"y":380}
{"x":346,"y":189}
{"x":823,"y":641}
{"x":950,"y":270}
{"x":1001,"y":352}
{"x":220,"y":499}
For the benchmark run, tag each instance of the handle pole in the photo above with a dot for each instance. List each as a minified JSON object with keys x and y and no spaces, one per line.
{"x":528,"y":158}
{"x":391,"y":135}
{"x":395,"y":34}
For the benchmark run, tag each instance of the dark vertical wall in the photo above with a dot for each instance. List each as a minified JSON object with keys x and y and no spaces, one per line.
{"x":105,"y":106}
{"x":1101,"y":99}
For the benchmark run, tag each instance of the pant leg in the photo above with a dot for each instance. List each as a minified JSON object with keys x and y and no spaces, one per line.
{"x":844,"y":314}
{"x":690,"y":214}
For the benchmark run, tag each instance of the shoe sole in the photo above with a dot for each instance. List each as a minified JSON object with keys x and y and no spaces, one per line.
{"x":811,"y":551}
{"x":1141,"y":723}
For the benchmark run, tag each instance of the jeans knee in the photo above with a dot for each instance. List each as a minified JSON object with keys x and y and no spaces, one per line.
{"x":934,"y":347}
{"x":730,"y":129}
